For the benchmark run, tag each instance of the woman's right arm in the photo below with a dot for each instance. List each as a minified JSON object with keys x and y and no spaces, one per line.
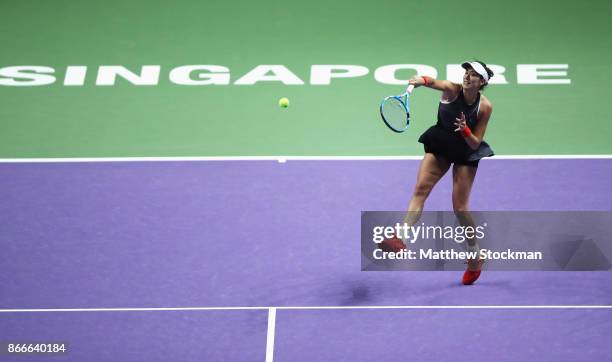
{"x":449,"y":89}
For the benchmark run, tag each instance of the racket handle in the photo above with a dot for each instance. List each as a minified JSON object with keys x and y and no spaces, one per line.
{"x":410,"y":88}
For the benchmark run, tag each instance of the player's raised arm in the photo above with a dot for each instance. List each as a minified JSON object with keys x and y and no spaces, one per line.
{"x":447,"y":87}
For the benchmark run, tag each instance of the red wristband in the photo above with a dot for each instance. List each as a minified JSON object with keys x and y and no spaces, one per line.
{"x":426,"y":80}
{"x":466,"y":132}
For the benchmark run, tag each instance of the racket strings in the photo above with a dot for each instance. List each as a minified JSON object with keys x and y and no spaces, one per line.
{"x":394,"y":113}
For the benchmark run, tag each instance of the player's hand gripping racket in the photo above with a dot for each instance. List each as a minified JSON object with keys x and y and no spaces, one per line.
{"x":395,"y":111}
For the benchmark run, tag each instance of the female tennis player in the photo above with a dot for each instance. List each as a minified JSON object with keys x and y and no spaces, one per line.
{"x":457,"y":139}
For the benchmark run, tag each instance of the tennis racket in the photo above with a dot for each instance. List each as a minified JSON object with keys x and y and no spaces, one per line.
{"x":395,"y":112}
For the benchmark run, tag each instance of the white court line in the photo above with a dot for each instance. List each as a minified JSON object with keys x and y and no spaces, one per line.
{"x":280,"y":158}
{"x":355,"y":307}
{"x":270,"y":340}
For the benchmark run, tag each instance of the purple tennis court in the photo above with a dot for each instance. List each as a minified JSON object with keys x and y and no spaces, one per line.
{"x":187,"y":261}
{"x":210,"y":180}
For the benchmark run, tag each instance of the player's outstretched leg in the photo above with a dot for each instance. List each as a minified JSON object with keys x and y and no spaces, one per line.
{"x":463,"y":179}
{"x":431,"y":170}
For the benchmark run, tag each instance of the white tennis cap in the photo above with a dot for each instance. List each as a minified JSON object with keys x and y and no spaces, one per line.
{"x":478,"y":68}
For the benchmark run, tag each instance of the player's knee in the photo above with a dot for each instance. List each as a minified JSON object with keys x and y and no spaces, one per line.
{"x":422,"y":189}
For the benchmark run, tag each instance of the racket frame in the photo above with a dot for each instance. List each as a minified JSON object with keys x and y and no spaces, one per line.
{"x":403,"y":99}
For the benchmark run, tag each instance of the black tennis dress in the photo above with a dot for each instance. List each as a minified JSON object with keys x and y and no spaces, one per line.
{"x":442,"y":140}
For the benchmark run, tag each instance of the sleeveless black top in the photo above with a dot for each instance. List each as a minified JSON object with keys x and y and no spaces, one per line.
{"x":442,"y":138}
{"x":447,"y":112}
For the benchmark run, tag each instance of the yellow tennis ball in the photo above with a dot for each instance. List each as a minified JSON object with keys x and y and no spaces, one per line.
{"x":283,"y":102}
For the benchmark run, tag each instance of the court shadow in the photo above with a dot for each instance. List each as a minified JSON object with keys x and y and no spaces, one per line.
{"x":356,"y":295}
{"x":482,"y":282}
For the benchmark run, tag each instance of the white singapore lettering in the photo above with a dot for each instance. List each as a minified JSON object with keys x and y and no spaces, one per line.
{"x":260,"y":73}
{"x":107,"y":75}
{"x":218,"y":75}
{"x":26,"y":76}
{"x":201,"y":74}
{"x":533,"y":73}
{"x":75,"y":75}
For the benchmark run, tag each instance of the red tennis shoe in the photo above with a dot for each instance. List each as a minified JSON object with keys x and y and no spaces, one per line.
{"x":470,"y":276}
{"x":394,"y":244}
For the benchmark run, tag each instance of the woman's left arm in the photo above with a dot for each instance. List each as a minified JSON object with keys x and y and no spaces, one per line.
{"x":474,"y":137}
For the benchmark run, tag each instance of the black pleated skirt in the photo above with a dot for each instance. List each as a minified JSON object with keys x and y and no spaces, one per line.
{"x":452,"y":146}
